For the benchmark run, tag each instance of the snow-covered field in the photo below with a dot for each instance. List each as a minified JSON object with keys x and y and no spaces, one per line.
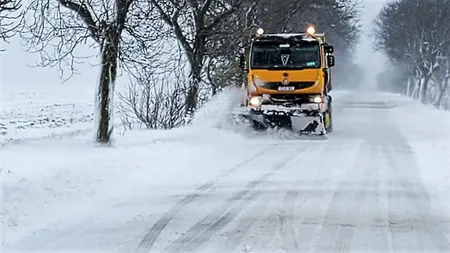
{"x":30,"y":112}
{"x":380,"y":183}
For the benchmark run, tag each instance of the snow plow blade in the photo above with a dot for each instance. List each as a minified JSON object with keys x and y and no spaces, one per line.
{"x":305,"y":120}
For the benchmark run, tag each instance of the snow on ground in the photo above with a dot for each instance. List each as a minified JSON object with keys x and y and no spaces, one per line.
{"x":59,"y":180}
{"x":57,"y":175}
{"x":60,"y":194}
{"x":37,"y":111}
{"x":426,"y":130}
{"x":42,"y":111}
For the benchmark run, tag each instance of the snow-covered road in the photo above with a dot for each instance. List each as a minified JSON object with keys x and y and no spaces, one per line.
{"x":379,"y":183}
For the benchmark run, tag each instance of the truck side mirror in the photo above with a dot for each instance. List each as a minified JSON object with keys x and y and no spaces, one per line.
{"x":329,"y":49}
{"x":330,"y":61}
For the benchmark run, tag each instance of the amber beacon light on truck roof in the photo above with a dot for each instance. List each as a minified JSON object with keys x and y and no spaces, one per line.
{"x":310,"y":30}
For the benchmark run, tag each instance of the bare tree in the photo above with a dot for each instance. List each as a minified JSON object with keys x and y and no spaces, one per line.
{"x":413,"y":34}
{"x":192,"y":23}
{"x":57,"y":29}
{"x":156,"y":99}
{"x":7,"y":26}
{"x":154,"y":103}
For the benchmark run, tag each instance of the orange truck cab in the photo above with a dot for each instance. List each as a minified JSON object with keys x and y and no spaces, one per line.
{"x":288,"y":78}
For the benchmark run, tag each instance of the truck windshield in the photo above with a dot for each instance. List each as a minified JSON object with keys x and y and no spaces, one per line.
{"x":270,"y":55}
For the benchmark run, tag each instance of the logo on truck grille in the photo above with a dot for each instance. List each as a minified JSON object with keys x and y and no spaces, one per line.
{"x":284,"y":58}
{"x":285,"y":81}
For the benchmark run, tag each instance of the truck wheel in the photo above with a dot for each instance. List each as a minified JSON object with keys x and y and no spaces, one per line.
{"x":330,"y":127}
{"x":330,"y":117}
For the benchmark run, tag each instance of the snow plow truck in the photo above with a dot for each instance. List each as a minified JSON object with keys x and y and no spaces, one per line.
{"x":287,"y":82}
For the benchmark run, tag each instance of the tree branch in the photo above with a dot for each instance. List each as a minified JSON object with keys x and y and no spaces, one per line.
{"x":85,"y":16}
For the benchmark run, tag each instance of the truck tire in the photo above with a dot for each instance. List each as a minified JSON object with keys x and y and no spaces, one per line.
{"x":330,"y":115}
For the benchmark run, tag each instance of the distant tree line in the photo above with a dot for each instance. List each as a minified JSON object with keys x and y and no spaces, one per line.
{"x":179,"y":53}
{"x":415,"y":37}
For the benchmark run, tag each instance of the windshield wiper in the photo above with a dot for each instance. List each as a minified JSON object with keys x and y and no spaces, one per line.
{"x":280,"y":67}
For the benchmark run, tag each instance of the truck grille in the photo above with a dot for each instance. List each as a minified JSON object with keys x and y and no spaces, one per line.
{"x":297,"y":85}
{"x":288,"y":98}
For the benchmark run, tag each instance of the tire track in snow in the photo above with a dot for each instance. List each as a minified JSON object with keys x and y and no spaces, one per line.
{"x":203,"y":230}
{"x":298,"y":232}
{"x":400,"y":227}
{"x":419,"y":200}
{"x":285,"y":219}
{"x":234,"y":238}
{"x":150,"y":238}
{"x":289,"y":234}
{"x":373,"y":225}
{"x":344,"y":240}
{"x":336,"y":232}
{"x":406,"y":174}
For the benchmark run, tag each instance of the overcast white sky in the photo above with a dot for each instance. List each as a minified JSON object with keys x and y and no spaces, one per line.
{"x":14,"y":69}
{"x":371,"y":61}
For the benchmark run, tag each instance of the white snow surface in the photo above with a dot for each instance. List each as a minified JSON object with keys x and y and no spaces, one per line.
{"x":379,"y":183}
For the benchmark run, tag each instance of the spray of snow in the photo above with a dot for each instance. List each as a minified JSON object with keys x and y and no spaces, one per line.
{"x":216,"y":113}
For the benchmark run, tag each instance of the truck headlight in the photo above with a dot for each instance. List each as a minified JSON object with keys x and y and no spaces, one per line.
{"x":317,"y":99}
{"x":255,"y":101}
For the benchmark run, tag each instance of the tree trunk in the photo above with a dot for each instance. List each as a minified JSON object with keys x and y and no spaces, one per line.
{"x":417,"y":86}
{"x":105,"y":92}
{"x":423,"y":91}
{"x":192,"y":93}
{"x":213,"y":89}
{"x":409,"y":87}
{"x":442,"y":91}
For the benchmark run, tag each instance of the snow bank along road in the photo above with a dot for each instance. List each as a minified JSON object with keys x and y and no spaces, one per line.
{"x":380,"y":183}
